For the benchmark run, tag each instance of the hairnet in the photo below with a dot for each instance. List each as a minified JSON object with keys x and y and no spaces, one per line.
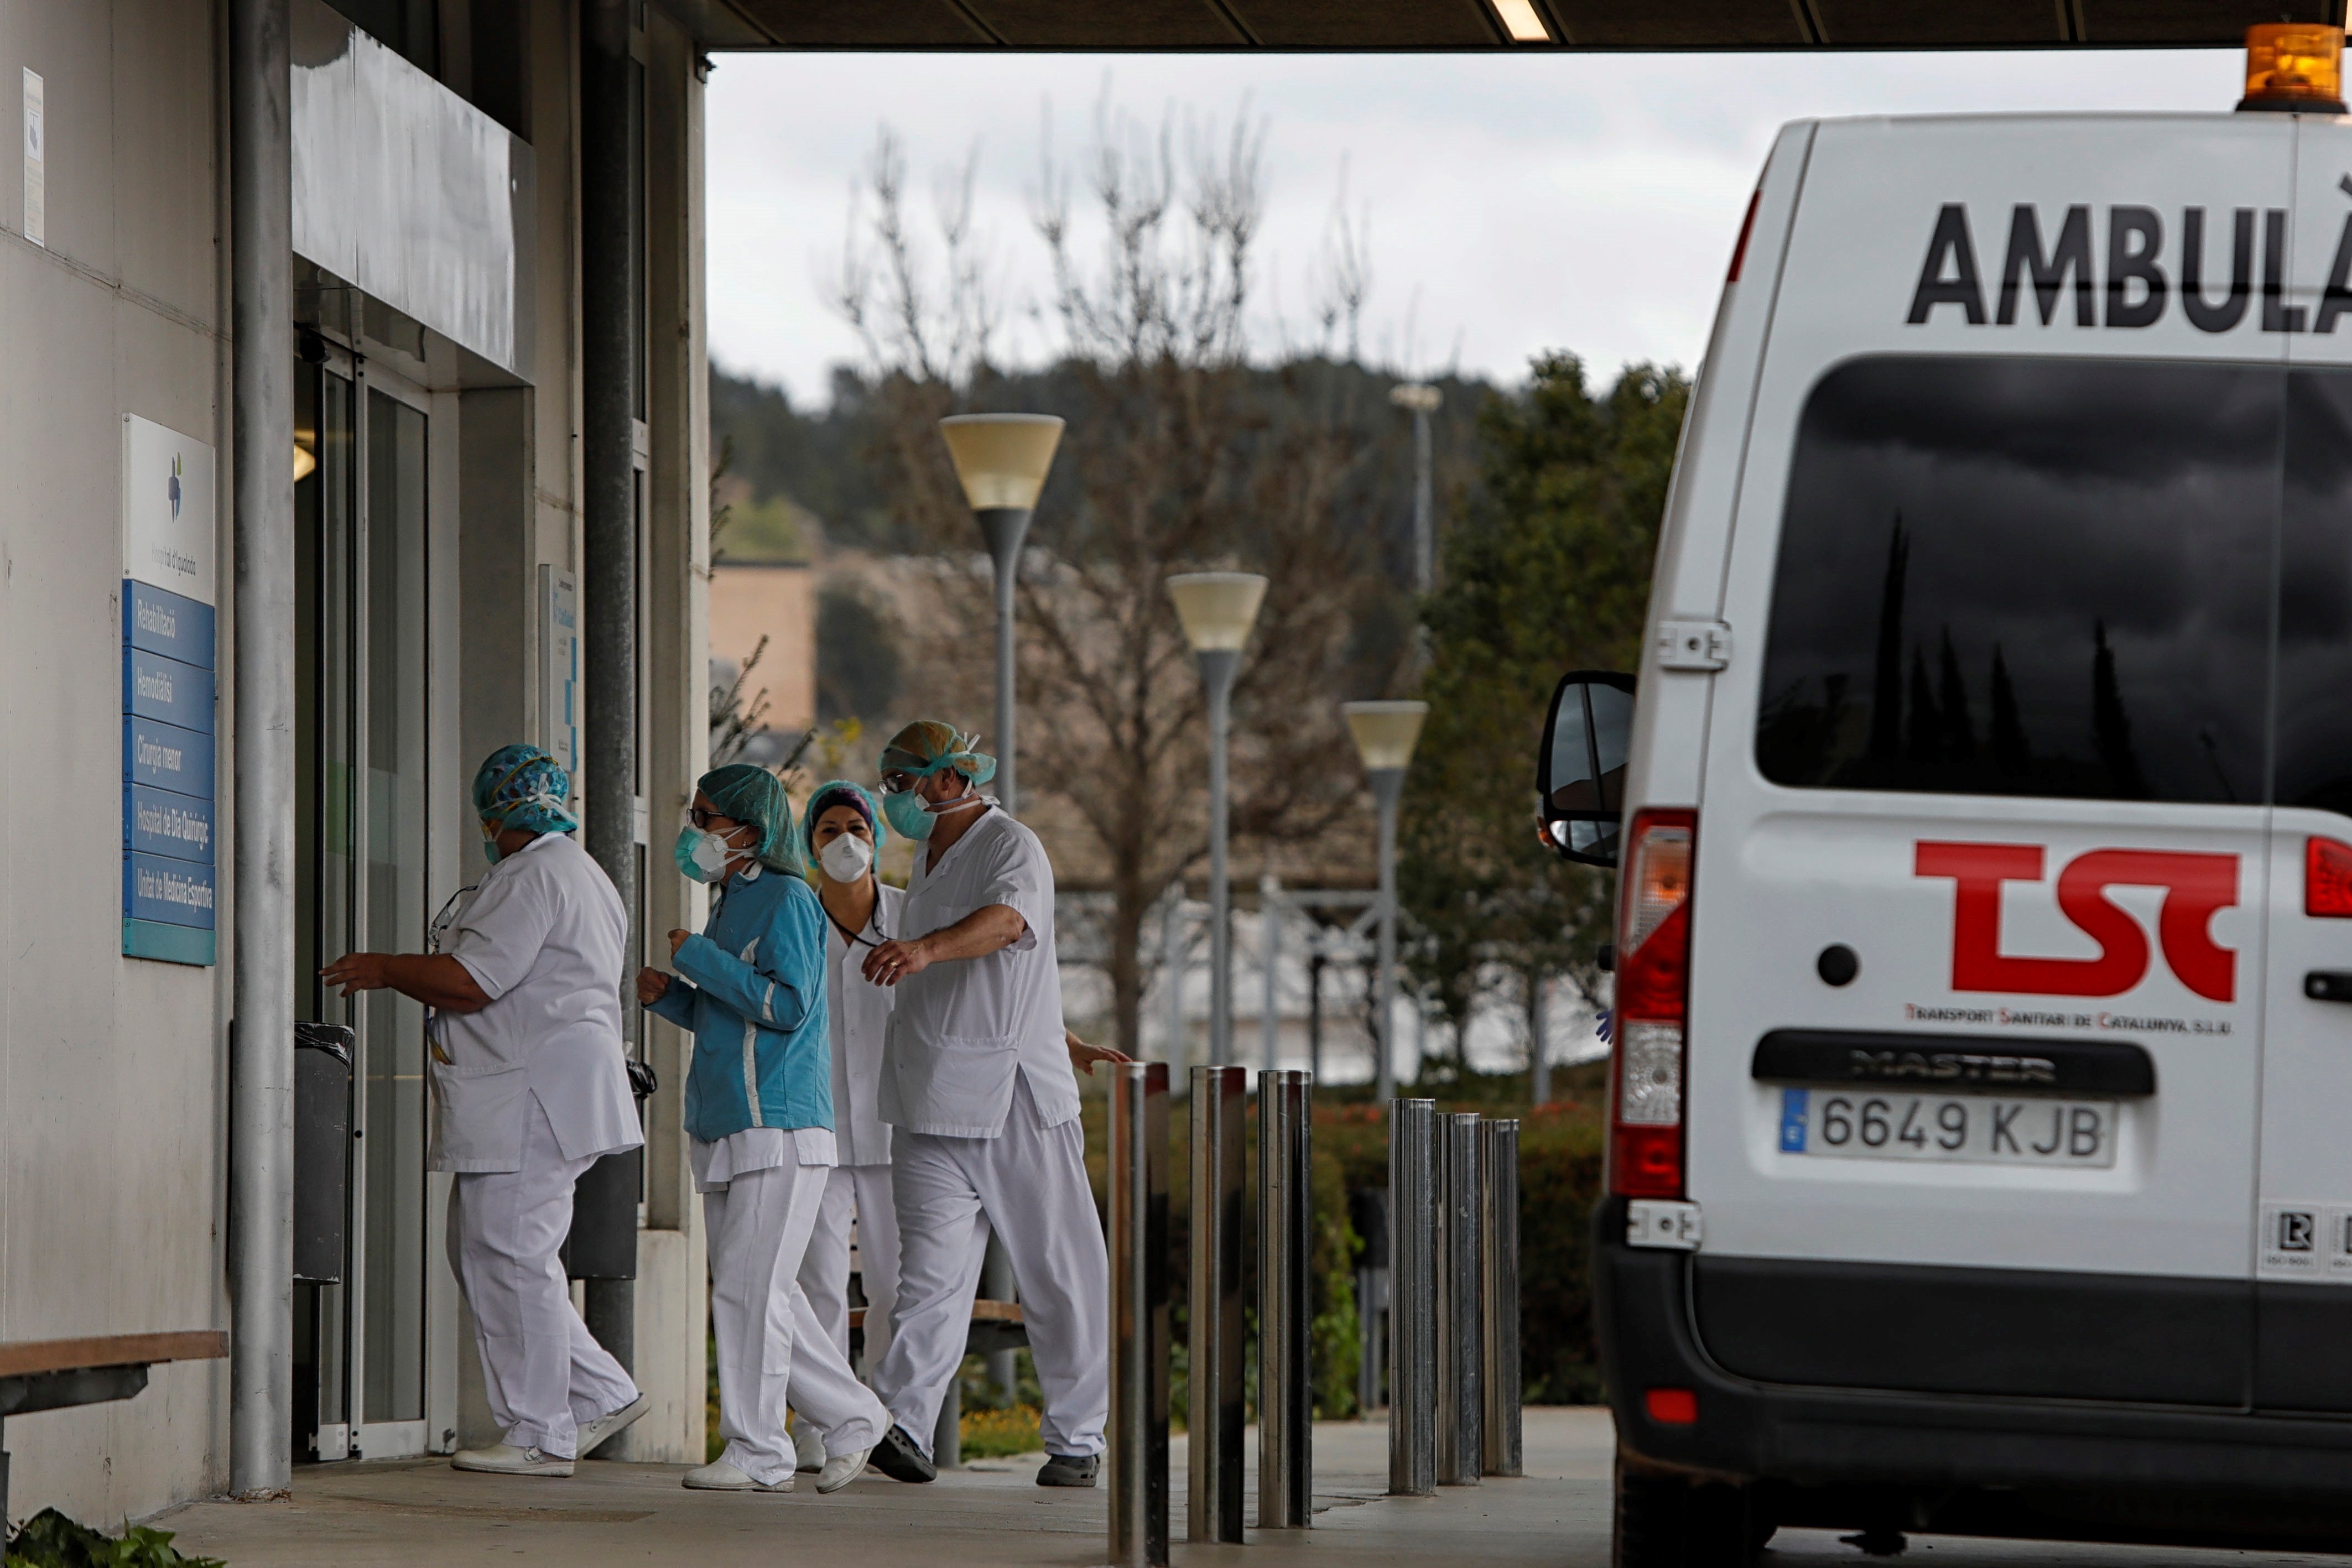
{"x":842,"y":792}
{"x":928,"y":746}
{"x":522,"y":787}
{"x":756,"y":797}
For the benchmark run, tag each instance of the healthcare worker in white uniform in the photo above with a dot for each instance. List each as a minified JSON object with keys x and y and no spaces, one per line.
{"x":842,"y":830}
{"x":978,"y":1088}
{"x":760,"y":1126}
{"x":531,"y":1088}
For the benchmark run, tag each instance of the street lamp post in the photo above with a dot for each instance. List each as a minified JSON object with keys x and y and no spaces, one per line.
{"x":1217,"y":609}
{"x":1422,"y":400}
{"x":1385,"y":733}
{"x":1002,"y":459}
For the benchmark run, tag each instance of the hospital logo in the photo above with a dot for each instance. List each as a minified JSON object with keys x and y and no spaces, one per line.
{"x":172,"y":487}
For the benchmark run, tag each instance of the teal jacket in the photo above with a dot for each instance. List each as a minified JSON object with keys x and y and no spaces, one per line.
{"x":751,"y":988}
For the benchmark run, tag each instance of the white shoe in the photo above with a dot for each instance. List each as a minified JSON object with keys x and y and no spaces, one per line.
{"x":720,"y":1476}
{"x":808,"y":1449}
{"x":595,"y":1433}
{"x":841,"y":1469}
{"x":506,"y":1459}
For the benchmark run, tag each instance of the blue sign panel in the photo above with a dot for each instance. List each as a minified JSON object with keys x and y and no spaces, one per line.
{"x":160,"y":622}
{"x":169,"y":642}
{"x":157,"y":822}
{"x":1795,"y":1116}
{"x":172,"y":893}
{"x":160,"y":688}
{"x":166,"y":756}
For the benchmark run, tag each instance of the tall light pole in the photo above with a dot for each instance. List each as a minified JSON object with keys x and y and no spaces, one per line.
{"x":1002,"y":459}
{"x":1422,"y":400}
{"x":1217,"y":609}
{"x":1385,"y":733}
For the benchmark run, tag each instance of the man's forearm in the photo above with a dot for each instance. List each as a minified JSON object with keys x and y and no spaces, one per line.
{"x":985,"y":930}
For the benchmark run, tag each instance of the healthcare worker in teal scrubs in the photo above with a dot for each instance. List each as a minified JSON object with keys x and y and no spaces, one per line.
{"x":759,"y":1120}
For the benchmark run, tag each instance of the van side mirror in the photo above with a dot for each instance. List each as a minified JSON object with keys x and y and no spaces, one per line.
{"x":1580,"y":772}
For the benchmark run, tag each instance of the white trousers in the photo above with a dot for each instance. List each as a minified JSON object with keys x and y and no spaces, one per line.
{"x":757,"y":1228}
{"x":862,"y":1192}
{"x":1030,"y":1184}
{"x":544,"y":1373}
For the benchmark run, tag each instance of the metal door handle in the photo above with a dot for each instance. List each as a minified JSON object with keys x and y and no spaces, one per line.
{"x":2329,"y":985}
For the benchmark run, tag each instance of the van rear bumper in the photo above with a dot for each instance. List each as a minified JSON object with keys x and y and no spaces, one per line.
{"x":1814,"y":1436}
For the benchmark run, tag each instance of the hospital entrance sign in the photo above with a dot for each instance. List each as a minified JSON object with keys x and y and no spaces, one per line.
{"x":169,"y":879}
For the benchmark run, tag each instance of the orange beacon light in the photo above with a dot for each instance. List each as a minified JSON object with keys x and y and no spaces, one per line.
{"x":2295,"y":67}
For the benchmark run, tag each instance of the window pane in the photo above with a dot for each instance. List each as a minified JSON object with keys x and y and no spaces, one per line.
{"x":2314,"y":667}
{"x":2026,"y":577}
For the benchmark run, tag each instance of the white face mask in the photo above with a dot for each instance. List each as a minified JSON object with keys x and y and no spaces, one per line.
{"x":846,"y":858}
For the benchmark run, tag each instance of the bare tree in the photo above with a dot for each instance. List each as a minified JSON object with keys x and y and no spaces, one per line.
{"x":1175,"y":459}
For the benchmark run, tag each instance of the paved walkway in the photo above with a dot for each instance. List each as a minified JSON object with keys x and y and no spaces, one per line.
{"x":400,"y":1512}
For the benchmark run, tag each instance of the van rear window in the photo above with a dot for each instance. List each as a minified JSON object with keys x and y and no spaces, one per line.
{"x":2010,"y":576}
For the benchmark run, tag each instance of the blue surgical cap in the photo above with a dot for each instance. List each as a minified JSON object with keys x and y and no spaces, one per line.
{"x":523,"y":787}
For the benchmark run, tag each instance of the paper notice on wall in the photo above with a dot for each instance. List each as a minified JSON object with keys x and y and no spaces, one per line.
{"x":36,"y":159}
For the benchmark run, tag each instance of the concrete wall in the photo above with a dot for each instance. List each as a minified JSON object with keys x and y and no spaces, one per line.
{"x":112,"y":1071}
{"x":113,"y":1142}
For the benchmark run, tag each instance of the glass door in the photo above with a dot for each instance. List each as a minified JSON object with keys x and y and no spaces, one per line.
{"x":361,"y":670}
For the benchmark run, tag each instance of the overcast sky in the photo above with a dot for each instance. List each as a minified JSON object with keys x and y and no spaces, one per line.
{"x":1517,"y":203}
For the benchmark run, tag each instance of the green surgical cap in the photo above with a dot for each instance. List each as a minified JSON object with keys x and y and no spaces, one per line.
{"x":755,"y":796}
{"x":930,"y":744}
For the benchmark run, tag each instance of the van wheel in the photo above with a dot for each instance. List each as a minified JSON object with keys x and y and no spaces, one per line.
{"x":1668,"y":1522}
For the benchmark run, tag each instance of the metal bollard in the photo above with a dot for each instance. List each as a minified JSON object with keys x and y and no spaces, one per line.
{"x":1412,"y":1297}
{"x":1460,"y":1329}
{"x":1499,"y":1233}
{"x":1220,"y":1112}
{"x":1139,"y":1315}
{"x":1285,"y":1392}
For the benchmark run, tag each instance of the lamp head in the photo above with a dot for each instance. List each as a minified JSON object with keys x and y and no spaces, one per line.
{"x":1002,"y":458}
{"x":1217,"y":608}
{"x":1385,"y":732}
{"x":1418,"y":396}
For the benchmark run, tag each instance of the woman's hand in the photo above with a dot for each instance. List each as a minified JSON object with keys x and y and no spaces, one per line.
{"x":1083,"y":1056}
{"x":678,"y":940}
{"x":894,"y":961}
{"x":652,"y":985}
{"x":356,"y":972}
{"x":436,"y":979}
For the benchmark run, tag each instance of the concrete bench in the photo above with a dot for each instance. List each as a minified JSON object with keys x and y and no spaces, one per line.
{"x":53,"y":1373}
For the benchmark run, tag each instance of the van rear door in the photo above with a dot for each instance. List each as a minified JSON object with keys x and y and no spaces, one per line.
{"x":1976,"y":967}
{"x":2303,"y":1215}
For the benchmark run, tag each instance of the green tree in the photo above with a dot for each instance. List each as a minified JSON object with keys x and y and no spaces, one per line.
{"x":1545,"y":570}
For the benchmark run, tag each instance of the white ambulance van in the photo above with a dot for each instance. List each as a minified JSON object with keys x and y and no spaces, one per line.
{"x":1982,"y":1112}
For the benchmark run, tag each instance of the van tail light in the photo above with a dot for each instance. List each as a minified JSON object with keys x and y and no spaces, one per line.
{"x":1747,"y":227}
{"x":2327,"y":878}
{"x":1671,"y":1406}
{"x":1645,"y":1107}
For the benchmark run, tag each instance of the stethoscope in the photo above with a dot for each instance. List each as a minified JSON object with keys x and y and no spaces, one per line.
{"x":434,"y":930}
{"x":874,"y":920}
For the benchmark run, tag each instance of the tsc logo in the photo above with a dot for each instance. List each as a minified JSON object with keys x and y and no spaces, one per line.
{"x":2195,"y":887}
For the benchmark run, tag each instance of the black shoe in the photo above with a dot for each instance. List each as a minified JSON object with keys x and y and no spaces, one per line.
{"x":1069,"y":1470}
{"x":897,"y":1457}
